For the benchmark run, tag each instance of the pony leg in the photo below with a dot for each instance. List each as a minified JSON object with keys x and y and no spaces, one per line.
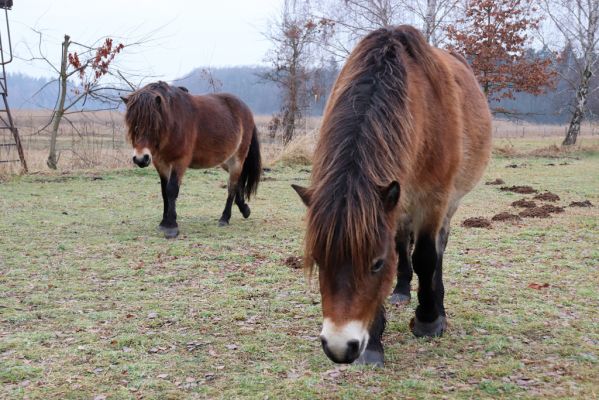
{"x":403,"y":244}
{"x":426,"y":258}
{"x":226,"y":216}
{"x":163,"y":182}
{"x":241,"y":204}
{"x":438,"y":287}
{"x":170,"y":193}
{"x":374,"y":353}
{"x":234,"y":169}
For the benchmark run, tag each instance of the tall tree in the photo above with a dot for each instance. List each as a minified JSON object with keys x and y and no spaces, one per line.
{"x":578,"y":22}
{"x":82,"y":76}
{"x":494,"y":35}
{"x":294,"y":36}
{"x":433,"y":16}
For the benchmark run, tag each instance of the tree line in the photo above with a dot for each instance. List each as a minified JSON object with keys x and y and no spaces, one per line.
{"x":515,"y":47}
{"x":535,"y":60}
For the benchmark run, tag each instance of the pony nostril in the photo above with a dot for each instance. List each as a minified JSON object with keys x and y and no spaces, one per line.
{"x":353,"y":349}
{"x":323,"y":341}
{"x":134,"y":159}
{"x":146,"y":158}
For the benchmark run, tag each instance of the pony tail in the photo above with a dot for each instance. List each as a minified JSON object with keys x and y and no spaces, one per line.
{"x":252,"y":168}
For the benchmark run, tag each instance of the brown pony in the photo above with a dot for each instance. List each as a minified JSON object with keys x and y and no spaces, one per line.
{"x":175,"y":130}
{"x":403,"y":117}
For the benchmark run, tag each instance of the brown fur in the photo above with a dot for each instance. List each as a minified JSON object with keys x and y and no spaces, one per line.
{"x":400,"y":111}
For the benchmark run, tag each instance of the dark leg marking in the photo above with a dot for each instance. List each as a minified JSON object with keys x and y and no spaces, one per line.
{"x":163,"y":182}
{"x":374,"y":354}
{"x":241,"y":204}
{"x":401,"y":293}
{"x":226,"y":216}
{"x":428,"y":321}
{"x":169,"y":223}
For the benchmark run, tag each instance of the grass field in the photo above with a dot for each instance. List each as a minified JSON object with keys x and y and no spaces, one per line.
{"x":95,"y":304}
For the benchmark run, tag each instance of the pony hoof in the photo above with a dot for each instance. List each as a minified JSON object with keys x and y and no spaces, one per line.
{"x":400,"y":299}
{"x":246,"y":212}
{"x":170,"y":233}
{"x":428,"y":329}
{"x":223,"y":222}
{"x":371,"y":358}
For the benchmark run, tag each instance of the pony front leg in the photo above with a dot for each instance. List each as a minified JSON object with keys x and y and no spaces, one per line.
{"x":170,"y":192}
{"x":374,"y":354}
{"x":429,"y":319}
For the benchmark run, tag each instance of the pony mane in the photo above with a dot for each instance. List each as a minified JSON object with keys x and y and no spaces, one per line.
{"x":365,"y":144}
{"x":145,"y":117}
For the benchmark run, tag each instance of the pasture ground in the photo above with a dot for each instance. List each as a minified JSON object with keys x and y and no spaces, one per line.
{"x":95,"y":304}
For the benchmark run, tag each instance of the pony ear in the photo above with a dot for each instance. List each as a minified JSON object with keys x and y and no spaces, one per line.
{"x":125,"y":99}
{"x":303,"y":193}
{"x":390,"y":195}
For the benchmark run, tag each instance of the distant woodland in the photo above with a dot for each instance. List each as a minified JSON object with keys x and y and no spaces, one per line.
{"x":264,"y":97}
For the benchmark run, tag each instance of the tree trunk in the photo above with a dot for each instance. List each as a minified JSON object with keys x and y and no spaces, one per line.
{"x":578,"y":114}
{"x":430,"y":20}
{"x":59,"y":110}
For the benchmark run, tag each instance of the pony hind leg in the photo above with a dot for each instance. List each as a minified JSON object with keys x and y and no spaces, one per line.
{"x":428,"y":321}
{"x":234,"y":173}
{"x":240,"y":202}
{"x":404,"y":244}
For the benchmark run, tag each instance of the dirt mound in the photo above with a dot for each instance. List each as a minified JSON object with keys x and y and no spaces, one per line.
{"x":294,"y":262}
{"x":476,"y":222}
{"x":550,"y":208}
{"x":547,"y":196}
{"x":585,"y":203}
{"x":536,"y":212}
{"x":523,"y":203}
{"x":497,"y":181}
{"x":505,"y":216}
{"x":518,"y":189}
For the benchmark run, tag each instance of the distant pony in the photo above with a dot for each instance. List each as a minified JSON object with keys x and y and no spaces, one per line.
{"x":175,"y":130}
{"x":406,"y":134}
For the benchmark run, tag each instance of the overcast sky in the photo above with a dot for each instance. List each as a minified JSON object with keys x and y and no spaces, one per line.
{"x":186,"y":34}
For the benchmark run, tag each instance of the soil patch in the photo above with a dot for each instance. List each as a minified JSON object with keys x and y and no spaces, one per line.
{"x":523,"y":203}
{"x":294,"y":262}
{"x":505,"y":216}
{"x":550,"y":208}
{"x":497,"y":181}
{"x":547,"y":196}
{"x":585,"y":203}
{"x":536,"y":212}
{"x":476,"y":222}
{"x":518,"y":189}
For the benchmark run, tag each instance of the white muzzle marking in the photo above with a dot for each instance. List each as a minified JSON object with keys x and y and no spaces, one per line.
{"x":143,"y":152}
{"x":338,"y":337}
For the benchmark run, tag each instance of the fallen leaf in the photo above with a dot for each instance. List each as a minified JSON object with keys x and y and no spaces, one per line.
{"x":538,"y":286}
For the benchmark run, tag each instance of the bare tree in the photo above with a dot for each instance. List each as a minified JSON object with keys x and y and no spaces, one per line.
{"x":578,"y":22}
{"x":85,"y":74}
{"x":293,"y":36}
{"x":353,"y":19}
{"x":433,"y":16}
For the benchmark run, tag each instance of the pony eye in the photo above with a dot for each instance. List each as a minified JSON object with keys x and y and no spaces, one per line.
{"x":377,"y":266}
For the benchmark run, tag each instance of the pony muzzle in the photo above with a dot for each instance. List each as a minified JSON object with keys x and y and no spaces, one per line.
{"x":343,"y":344}
{"x":142,"y":158}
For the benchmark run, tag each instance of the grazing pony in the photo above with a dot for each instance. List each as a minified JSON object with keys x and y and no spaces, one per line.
{"x":175,"y":130}
{"x":405,"y":135}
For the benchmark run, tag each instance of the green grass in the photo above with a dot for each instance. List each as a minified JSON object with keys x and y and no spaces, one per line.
{"x":93,"y":301}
